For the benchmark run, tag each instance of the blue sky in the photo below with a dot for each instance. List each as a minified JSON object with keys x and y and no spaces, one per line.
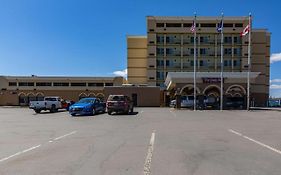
{"x":88,"y":37}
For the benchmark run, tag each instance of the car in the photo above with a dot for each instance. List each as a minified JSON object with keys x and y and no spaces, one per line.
{"x":173,"y":103}
{"x":235,"y":103}
{"x":87,"y":106}
{"x":187,"y":101}
{"x":119,"y":104}
{"x":53,"y":104}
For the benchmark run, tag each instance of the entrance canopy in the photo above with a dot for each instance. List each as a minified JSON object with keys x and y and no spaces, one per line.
{"x":174,"y":78}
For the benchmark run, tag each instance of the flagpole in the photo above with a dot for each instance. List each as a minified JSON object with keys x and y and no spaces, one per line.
{"x":249,"y":63}
{"x":221,"y":94}
{"x":194,"y":66}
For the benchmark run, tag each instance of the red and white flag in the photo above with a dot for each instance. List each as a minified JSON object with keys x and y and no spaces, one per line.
{"x":246,"y":30}
{"x":193,"y":27}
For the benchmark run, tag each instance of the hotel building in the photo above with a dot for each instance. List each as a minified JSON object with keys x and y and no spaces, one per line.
{"x":164,"y":57}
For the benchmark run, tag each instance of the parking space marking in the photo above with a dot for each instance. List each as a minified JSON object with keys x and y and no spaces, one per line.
{"x":19,"y":153}
{"x":60,"y":137}
{"x":148,"y":159}
{"x":255,"y":141}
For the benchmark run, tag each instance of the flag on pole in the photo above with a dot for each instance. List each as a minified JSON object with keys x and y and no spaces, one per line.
{"x":220,"y":27}
{"x":193,"y":27}
{"x":246,"y":30}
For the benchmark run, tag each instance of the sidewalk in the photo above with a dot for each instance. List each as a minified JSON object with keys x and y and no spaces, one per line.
{"x":267,"y":108}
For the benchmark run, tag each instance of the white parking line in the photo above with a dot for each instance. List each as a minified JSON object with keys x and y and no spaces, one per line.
{"x":255,"y":141}
{"x":60,"y":137}
{"x":19,"y":153}
{"x":147,"y":163}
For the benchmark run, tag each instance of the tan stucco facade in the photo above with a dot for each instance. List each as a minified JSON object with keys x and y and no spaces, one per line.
{"x":170,"y":48}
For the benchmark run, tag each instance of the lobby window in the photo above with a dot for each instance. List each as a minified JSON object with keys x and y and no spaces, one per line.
{"x":78,"y":84}
{"x":173,"y":25}
{"x":160,"y":25}
{"x":26,"y":84}
{"x":43,"y":84}
{"x":96,"y":84}
{"x":60,"y":84}
{"x":12,"y":83}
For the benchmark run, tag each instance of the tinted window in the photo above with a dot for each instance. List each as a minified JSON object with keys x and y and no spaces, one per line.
{"x":116,"y":98}
{"x":50,"y":99}
{"x":86,"y":100}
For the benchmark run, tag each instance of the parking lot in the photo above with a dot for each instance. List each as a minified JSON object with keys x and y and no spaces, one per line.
{"x":158,"y":141}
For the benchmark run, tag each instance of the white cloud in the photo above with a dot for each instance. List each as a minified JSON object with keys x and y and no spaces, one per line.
{"x":275,"y":81}
{"x":275,"y":86}
{"x":275,"y":57}
{"x":122,"y":73}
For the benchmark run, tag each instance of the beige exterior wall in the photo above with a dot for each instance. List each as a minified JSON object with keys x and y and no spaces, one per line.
{"x":10,"y":95}
{"x":137,"y":59}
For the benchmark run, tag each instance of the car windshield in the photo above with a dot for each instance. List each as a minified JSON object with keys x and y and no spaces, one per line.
{"x":116,"y":98}
{"x":86,"y":100}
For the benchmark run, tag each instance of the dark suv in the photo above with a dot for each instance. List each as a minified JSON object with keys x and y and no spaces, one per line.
{"x":119,"y":103}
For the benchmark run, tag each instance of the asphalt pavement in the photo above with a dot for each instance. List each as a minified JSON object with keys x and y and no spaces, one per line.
{"x":158,"y":141}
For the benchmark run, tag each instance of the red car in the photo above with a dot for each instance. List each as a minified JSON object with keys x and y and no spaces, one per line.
{"x":119,"y":104}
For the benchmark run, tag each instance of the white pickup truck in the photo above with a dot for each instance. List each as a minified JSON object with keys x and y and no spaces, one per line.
{"x":49,"y":103}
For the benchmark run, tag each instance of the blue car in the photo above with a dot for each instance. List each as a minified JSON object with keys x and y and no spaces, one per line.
{"x":87,"y":106}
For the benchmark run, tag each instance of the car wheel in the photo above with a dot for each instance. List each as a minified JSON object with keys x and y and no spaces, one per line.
{"x":132,"y":110}
{"x":94,"y":111}
{"x":37,"y":111}
{"x":109,"y":112}
{"x":73,"y":115}
{"x":53,"y":108}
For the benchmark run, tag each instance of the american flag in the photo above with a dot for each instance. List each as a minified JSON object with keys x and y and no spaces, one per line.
{"x":245,"y":31}
{"x":193,"y":27}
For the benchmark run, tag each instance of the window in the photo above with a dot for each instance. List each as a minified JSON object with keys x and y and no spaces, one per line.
{"x":26,"y":84}
{"x":239,"y":25}
{"x":208,"y":25}
{"x":43,"y":84}
{"x":167,"y":62}
{"x":160,"y":75}
{"x":160,"y":62}
{"x":160,"y":25}
{"x":228,"y":39}
{"x":108,"y":84}
{"x":237,"y":40}
{"x":187,"y":24}
{"x":60,"y":84}
{"x":203,"y":51}
{"x":237,"y":51}
{"x":227,"y":63}
{"x":160,"y":51}
{"x":201,"y":63}
{"x":95,"y":84}
{"x":192,"y":39}
{"x":12,"y":83}
{"x":173,"y":25}
{"x":160,"y":39}
{"x":204,"y":39}
{"x":236,"y":63}
{"x":227,"y":51}
{"x":192,"y":51}
{"x":78,"y":84}
{"x":227,"y":25}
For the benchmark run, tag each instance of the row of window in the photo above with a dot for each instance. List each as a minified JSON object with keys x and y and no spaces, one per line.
{"x":202,"y":51}
{"x":201,"y":63}
{"x":59,"y":84}
{"x":174,"y":39}
{"x":230,"y":25}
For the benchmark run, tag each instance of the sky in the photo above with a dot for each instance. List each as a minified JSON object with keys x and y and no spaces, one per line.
{"x":88,"y":37}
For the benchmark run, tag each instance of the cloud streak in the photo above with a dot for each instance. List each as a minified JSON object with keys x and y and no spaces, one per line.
{"x":122,"y":73}
{"x":275,"y":57}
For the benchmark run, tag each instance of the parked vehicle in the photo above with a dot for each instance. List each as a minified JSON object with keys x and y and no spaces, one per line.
{"x":53,"y":104}
{"x":119,"y":103}
{"x":211,"y":103}
{"x":187,"y":101}
{"x":173,"y":103}
{"x":87,"y":106}
{"x":235,"y":102}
